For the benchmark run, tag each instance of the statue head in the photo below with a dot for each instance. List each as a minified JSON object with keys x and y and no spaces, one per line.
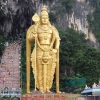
{"x":44,"y":17}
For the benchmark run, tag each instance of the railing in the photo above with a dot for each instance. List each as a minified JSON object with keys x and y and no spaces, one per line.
{"x":14,"y":92}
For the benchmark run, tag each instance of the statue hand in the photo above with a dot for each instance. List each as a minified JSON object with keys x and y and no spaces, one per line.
{"x":54,"y":50}
{"x":32,"y":35}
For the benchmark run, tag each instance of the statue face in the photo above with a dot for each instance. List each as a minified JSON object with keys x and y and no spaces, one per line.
{"x":44,"y":19}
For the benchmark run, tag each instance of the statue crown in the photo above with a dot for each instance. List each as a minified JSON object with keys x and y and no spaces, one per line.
{"x":44,"y":11}
{"x":44,"y":8}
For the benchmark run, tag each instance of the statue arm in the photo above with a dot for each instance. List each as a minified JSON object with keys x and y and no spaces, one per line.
{"x":57,"y":38}
{"x":31,"y":33}
{"x":57,"y":43}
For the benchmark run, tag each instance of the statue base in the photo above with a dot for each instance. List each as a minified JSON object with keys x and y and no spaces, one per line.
{"x":50,"y":96}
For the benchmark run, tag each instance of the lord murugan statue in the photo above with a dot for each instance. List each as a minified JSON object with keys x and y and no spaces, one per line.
{"x":44,"y":58}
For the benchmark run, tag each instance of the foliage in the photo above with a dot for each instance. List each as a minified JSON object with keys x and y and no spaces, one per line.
{"x":77,"y":57}
{"x":70,"y":43}
{"x":94,"y":20}
{"x":23,"y":55}
{"x":68,"y":4}
{"x":2,"y":41}
{"x":24,"y":91}
{"x":52,"y":17}
{"x":95,"y":3}
{"x":63,"y":6}
{"x":59,"y":10}
{"x":45,"y":1}
{"x":90,"y":60}
{"x":23,"y":64}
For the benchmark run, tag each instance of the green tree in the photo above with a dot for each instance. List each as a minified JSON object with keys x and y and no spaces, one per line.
{"x":68,"y":4}
{"x":2,"y":41}
{"x":70,"y":43}
{"x":94,"y":19}
{"x":88,"y":60}
{"x":52,"y":17}
{"x":77,"y":57}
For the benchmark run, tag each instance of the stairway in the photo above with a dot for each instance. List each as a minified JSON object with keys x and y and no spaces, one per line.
{"x":10,"y":66}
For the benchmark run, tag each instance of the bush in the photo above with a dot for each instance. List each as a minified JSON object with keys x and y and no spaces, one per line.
{"x":52,"y":17}
{"x":68,"y":4}
{"x":2,"y":41}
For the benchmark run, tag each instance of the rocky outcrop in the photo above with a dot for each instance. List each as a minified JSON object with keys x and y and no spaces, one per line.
{"x":19,"y":12}
{"x":78,"y":18}
{"x":18,"y":15}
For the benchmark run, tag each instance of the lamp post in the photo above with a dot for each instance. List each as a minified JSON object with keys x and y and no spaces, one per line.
{"x":4,"y":80}
{"x":0,"y":93}
{"x":20,"y":86}
{"x":12,"y":72}
{"x":19,"y":71}
{"x":21,"y":81}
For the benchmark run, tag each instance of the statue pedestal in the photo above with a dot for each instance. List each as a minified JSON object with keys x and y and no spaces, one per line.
{"x":51,"y":96}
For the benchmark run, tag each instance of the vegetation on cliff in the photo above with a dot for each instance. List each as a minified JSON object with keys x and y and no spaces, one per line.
{"x":2,"y":41}
{"x":94,"y":19}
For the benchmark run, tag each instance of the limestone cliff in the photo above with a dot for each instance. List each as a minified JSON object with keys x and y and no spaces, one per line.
{"x":18,"y":15}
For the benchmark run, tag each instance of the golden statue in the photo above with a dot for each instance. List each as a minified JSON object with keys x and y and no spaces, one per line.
{"x":45,"y":56}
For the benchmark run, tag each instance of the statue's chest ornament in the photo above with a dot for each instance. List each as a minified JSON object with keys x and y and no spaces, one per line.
{"x":45,"y":35}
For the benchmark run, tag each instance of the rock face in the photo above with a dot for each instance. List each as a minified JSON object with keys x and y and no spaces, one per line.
{"x":19,"y":12}
{"x":78,"y":18}
{"x":82,"y":9}
{"x":17,"y":15}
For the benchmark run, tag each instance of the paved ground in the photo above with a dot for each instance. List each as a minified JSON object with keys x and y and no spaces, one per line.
{"x":10,"y":66}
